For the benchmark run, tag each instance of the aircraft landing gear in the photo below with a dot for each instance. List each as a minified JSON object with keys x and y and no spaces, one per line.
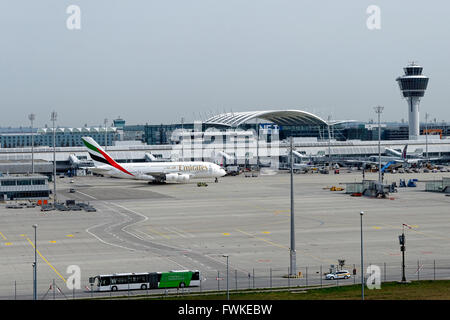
{"x":216,"y":180}
{"x":157,"y":182}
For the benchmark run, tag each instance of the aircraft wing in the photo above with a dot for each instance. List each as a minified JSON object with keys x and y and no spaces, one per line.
{"x":417,"y":160}
{"x":96,"y":169}
{"x":161,"y":176}
{"x":392,"y":165}
{"x":302,"y":165}
{"x":361,"y":162}
{"x":152,"y":175}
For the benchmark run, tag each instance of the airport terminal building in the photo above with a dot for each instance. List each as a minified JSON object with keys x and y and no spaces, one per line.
{"x":64,"y":137}
{"x":264,"y":130}
{"x":17,"y":187}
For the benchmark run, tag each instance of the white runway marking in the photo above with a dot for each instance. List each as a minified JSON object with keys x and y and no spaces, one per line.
{"x":87,"y":195}
{"x":102,"y":241}
{"x":176,"y":232}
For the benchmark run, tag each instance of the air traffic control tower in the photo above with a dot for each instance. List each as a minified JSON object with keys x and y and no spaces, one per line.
{"x":413,"y":85}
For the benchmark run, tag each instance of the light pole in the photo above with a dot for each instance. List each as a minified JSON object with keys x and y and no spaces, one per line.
{"x":426,"y":134}
{"x":182,"y":138}
{"x":257,"y":145}
{"x":31,"y":117}
{"x":228,"y":291}
{"x":362,"y":258}
{"x":53,"y":119}
{"x":35,"y":264}
{"x":293,"y":266}
{"x":329,"y":143}
{"x":106,"y":133}
{"x":379,"y":110}
{"x":402,"y":241}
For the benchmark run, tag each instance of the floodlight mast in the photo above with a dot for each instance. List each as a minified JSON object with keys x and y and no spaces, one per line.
{"x":292,"y":255}
{"x":379,"y":110}
{"x":53,"y":119}
{"x":32,"y":117}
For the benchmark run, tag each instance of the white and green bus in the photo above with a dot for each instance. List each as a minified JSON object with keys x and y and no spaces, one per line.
{"x":145,"y":280}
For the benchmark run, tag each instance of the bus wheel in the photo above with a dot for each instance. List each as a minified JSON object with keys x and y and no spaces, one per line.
{"x":144,"y":287}
{"x":113,"y":288}
{"x":182,"y":285}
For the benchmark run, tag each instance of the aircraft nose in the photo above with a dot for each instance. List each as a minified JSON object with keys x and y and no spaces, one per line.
{"x":222,"y":172}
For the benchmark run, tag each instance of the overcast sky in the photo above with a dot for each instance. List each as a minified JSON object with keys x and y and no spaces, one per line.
{"x":158,"y":61}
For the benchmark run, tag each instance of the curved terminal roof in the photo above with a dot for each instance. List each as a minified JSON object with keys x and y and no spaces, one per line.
{"x":280,"y":117}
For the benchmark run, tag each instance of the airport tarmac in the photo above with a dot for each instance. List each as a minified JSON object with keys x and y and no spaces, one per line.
{"x":140,"y":228}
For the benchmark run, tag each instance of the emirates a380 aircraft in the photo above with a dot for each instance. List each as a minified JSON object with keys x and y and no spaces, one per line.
{"x":155,"y":172}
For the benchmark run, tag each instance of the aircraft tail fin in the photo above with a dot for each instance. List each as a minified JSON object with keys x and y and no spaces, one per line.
{"x":404,"y":152}
{"x":98,"y":154}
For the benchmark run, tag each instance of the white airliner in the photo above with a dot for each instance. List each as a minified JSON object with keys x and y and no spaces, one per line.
{"x":396,"y":160}
{"x":150,"y":171}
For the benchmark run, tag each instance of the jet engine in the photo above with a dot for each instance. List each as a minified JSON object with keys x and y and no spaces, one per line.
{"x":177,"y":177}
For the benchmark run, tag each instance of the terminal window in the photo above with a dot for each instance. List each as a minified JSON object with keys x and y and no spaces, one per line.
{"x":8,"y":182}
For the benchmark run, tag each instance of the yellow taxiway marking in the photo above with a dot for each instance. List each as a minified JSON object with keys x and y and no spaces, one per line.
{"x":52,"y":241}
{"x":261,"y":239}
{"x":46,"y":261}
{"x":277,"y":212}
{"x":419,"y":232}
{"x":280,"y":245}
{"x":159,"y":233}
{"x":70,"y":236}
{"x":4,"y":238}
{"x":226,"y":234}
{"x":266,"y":232}
{"x":378,"y":228}
{"x":429,"y":235}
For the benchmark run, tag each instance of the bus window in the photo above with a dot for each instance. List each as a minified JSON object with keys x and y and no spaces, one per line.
{"x":196,"y":276}
{"x":122,"y":280}
{"x":105,"y":281}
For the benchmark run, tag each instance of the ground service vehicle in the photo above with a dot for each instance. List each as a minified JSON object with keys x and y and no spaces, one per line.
{"x":145,"y":280}
{"x":340,"y":274}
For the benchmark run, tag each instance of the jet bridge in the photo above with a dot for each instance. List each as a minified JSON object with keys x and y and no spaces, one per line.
{"x":228,"y":159}
{"x":150,"y":158}
{"x":299,"y":155}
{"x":80,"y":161}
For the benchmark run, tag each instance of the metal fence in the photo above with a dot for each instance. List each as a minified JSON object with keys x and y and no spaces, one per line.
{"x":256,"y":278}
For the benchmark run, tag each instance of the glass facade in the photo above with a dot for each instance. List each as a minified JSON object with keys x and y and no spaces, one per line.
{"x":413,"y":83}
{"x":119,"y":123}
{"x":24,"y":187}
{"x":65,"y":137}
{"x":413,"y":70}
{"x":160,"y":134}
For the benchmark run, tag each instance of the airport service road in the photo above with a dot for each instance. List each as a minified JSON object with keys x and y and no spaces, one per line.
{"x":140,"y":227}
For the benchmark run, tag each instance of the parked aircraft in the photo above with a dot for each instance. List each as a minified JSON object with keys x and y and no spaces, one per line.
{"x":149,"y":171}
{"x":397,"y":159}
